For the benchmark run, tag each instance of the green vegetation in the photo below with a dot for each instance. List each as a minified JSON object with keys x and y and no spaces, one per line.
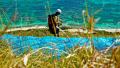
{"x":80,"y":57}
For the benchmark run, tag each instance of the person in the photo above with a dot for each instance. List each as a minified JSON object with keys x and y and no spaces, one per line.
{"x":54,"y":22}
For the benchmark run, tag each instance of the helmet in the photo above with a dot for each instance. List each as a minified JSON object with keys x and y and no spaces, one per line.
{"x":59,"y":10}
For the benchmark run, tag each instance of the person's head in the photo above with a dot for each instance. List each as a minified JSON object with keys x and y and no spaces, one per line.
{"x":58,"y":12}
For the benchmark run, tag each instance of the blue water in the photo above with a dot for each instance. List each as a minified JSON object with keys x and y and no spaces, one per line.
{"x":34,"y":12}
{"x":59,"y":45}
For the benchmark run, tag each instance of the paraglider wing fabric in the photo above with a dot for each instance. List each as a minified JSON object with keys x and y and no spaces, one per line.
{"x":20,"y":44}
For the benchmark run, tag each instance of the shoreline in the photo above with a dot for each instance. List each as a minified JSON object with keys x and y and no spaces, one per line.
{"x":70,"y":30}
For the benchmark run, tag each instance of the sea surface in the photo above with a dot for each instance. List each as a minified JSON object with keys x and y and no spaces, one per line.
{"x":35,"y":12}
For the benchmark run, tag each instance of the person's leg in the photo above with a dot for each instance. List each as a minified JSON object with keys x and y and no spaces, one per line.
{"x":58,"y":35}
{"x":55,"y":35}
{"x":57,"y":32}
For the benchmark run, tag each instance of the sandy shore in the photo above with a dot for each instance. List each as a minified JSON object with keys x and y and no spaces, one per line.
{"x":70,"y":30}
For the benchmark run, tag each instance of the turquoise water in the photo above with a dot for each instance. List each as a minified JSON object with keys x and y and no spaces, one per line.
{"x":34,"y":12}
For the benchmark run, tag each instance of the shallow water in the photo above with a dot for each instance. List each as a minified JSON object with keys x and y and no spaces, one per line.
{"x":34,"y":12}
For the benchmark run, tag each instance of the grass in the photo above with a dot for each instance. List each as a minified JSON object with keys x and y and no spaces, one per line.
{"x":80,"y":57}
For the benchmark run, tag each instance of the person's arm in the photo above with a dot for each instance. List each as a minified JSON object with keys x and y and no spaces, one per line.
{"x":60,"y":21}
